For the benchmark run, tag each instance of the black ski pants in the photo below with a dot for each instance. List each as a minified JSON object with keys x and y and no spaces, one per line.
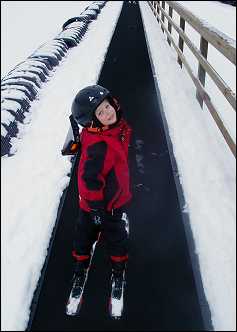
{"x":112,"y":229}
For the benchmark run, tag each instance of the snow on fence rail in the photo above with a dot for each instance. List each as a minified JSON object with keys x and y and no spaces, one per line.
{"x":21,"y":85}
{"x":224,"y":44}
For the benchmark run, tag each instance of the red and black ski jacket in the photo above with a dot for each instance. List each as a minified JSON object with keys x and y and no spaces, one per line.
{"x":103,"y":172}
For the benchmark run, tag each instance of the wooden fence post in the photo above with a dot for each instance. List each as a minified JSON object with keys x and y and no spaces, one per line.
{"x":156,"y":5}
{"x":162,"y":15}
{"x":181,"y":42}
{"x":152,"y":6}
{"x":201,"y":70}
{"x":169,"y":24}
{"x":158,"y":9}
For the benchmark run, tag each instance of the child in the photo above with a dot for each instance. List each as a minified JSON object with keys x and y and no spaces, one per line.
{"x":103,"y":181}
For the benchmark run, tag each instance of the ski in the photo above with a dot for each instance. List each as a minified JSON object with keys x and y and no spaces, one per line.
{"x":117,"y":296}
{"x":117,"y":284}
{"x":75,"y":300}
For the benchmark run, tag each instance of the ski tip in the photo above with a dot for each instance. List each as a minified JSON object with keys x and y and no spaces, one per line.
{"x":73,"y":309}
{"x":112,"y":314}
{"x":116,"y":317}
{"x":71,"y":314}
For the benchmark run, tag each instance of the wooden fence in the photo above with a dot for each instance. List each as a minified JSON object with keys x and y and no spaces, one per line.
{"x":223,"y":44}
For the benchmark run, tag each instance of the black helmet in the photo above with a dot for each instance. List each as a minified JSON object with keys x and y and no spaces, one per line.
{"x":86,"y":102}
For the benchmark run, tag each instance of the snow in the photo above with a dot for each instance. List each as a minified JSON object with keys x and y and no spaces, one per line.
{"x":204,"y":10}
{"x":11,"y":94}
{"x":3,"y":130}
{"x":23,"y":34}
{"x":34,"y":178}
{"x":7,"y":118}
{"x":206,"y":170}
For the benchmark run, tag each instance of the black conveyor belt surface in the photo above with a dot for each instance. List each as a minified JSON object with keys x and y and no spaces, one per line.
{"x":161,"y":293}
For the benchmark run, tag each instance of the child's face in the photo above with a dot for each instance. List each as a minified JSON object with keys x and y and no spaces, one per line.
{"x":105,"y":113}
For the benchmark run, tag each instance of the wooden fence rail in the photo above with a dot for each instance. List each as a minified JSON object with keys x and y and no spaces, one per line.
{"x":208,"y":34}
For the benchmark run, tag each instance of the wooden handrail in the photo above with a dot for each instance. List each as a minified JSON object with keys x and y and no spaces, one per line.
{"x":221,"y":42}
{"x":218,"y":39}
{"x":223,"y":87}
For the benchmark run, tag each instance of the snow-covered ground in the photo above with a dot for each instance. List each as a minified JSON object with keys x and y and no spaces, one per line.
{"x":34,"y":178}
{"x":28,"y":24}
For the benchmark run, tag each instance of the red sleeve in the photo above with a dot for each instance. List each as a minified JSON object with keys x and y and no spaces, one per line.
{"x":91,"y":181}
